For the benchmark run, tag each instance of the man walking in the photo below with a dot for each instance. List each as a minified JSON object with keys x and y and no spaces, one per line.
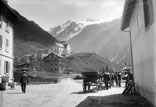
{"x":23,"y":81}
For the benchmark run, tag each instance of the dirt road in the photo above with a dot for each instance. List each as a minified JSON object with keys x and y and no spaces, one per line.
{"x":67,"y":93}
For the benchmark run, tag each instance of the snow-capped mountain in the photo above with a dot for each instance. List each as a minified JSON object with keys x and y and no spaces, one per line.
{"x":67,"y":30}
{"x":103,"y":38}
{"x":71,"y":28}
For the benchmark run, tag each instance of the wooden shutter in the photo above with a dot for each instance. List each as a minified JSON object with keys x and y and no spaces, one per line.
{"x":148,"y":13}
{"x":1,"y":41}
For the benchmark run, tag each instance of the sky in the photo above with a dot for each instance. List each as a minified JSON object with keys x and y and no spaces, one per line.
{"x":50,"y":13}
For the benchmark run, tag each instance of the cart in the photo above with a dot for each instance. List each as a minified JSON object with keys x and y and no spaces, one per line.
{"x":90,"y":79}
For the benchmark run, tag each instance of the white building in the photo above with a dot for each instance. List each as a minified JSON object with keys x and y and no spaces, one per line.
{"x":7,"y":16}
{"x":61,"y":49}
{"x":139,"y":20}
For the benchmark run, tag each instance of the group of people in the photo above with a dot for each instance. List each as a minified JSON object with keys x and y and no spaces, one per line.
{"x":111,"y":79}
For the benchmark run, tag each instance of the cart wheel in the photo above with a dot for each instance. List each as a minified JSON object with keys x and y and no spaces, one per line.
{"x":84,"y":88}
{"x":88,"y":87}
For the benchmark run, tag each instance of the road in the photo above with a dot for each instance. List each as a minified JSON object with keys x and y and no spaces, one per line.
{"x":67,"y":93}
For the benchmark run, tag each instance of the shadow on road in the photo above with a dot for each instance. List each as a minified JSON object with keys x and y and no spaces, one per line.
{"x":16,"y":93}
{"x":82,"y":92}
{"x":93,"y":90}
{"x":117,"y":100}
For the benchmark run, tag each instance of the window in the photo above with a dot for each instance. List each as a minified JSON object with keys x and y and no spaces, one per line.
{"x":7,"y":45}
{"x":0,"y":20}
{"x":7,"y":67}
{"x":1,"y":41}
{"x":148,"y":13}
{"x":0,"y":66}
{"x":7,"y":26}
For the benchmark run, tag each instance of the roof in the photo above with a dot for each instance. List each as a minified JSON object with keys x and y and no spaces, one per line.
{"x":21,"y":64}
{"x":127,"y":13}
{"x":10,"y":11}
{"x":59,"y":44}
{"x":127,"y":68}
{"x":53,"y":54}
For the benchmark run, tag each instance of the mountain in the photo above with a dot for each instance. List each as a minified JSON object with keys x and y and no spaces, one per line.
{"x":67,"y":30}
{"x":70,"y":28}
{"x":29,"y":37}
{"x":104,"y":39}
{"x":83,"y":61}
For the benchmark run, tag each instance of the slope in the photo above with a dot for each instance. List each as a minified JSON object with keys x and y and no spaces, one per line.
{"x":83,"y":61}
{"x":29,"y":37}
{"x":104,"y":39}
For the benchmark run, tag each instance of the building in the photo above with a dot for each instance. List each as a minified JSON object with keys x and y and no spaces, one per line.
{"x":54,"y":63}
{"x":58,"y":48}
{"x":62,"y":49}
{"x":139,"y":21}
{"x":24,"y":66}
{"x":7,"y":19}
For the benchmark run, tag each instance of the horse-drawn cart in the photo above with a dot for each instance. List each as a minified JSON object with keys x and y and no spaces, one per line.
{"x":90,"y":79}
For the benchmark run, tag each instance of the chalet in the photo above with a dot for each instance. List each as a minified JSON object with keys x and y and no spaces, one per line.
{"x":138,"y":20}
{"x":7,"y":19}
{"x":62,"y":49}
{"x":24,"y":66}
{"x":54,"y":63}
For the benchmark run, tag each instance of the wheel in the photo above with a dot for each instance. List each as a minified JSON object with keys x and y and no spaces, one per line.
{"x":84,"y":88}
{"x":88,"y":87}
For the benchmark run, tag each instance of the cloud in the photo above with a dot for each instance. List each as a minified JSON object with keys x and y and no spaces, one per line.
{"x":53,"y":12}
{"x":76,"y":3}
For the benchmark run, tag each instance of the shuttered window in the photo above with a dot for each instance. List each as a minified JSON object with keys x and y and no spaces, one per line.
{"x":148,"y":13}
{"x":7,"y":66}
{"x":7,"y":26}
{"x":7,"y":45}
{"x":0,"y":20}
{"x":1,"y":41}
{"x":0,"y":66}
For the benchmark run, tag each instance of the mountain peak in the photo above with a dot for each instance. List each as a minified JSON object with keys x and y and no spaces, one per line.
{"x":67,"y":30}
{"x":91,"y":20}
{"x":67,"y":22}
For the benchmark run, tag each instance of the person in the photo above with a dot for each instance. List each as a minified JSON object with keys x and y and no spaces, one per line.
{"x":126,"y":78}
{"x":23,"y":81}
{"x":119,"y":79}
{"x":112,"y":79}
{"x":116,"y":79}
{"x":106,"y":80}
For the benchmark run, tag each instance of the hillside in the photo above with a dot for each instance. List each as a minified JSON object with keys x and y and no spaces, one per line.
{"x":82,"y":62}
{"x":104,"y":39}
{"x":29,"y":37}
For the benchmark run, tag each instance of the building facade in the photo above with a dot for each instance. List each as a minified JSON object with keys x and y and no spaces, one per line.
{"x":7,"y":17}
{"x":54,"y":63}
{"x":62,"y":49}
{"x":139,"y":19}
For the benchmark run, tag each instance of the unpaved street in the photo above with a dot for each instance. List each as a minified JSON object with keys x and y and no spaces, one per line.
{"x":67,"y":93}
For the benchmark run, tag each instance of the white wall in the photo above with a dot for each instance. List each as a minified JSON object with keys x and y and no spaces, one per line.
{"x":6,"y":55}
{"x":144,"y":53}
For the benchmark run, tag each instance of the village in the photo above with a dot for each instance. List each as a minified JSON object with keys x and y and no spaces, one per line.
{"x":56,"y":79}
